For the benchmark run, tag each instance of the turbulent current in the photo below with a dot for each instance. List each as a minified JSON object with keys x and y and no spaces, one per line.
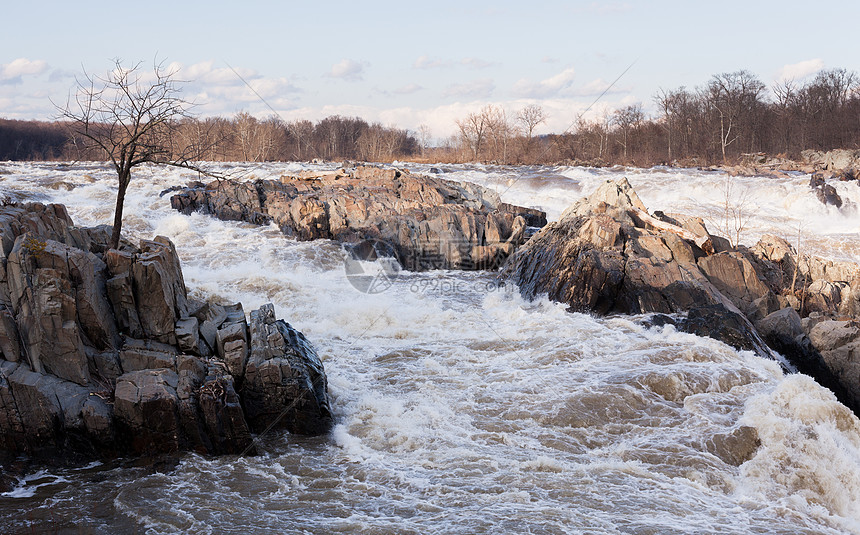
{"x":460,"y":407}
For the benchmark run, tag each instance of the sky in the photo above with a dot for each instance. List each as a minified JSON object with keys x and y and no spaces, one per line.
{"x":408,"y":64}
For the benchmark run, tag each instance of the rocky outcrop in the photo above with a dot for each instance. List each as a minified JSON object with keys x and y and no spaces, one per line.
{"x":429,"y":222}
{"x":608,"y":255}
{"x":840,"y":163}
{"x":103,"y":353}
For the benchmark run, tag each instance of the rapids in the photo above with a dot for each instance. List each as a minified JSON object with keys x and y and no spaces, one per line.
{"x":460,"y":407}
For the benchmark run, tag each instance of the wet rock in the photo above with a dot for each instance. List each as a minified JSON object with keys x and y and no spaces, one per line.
{"x":223,"y":415}
{"x":146,"y":407}
{"x":725,"y":325}
{"x":736,"y":278}
{"x":825,"y":192}
{"x":284,"y":383}
{"x":839,"y":345}
{"x":736,"y":447}
{"x":100,"y":351}
{"x":598,"y":257}
{"x":431,"y":223}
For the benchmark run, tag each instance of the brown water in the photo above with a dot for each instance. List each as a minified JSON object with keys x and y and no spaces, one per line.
{"x":461,"y":408}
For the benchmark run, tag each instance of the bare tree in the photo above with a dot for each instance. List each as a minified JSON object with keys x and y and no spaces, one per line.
{"x":736,"y":98}
{"x":131,"y":117}
{"x":500,"y":131}
{"x":424,"y":136}
{"x":530,"y":117}
{"x":472,"y":131}
{"x":627,"y":118}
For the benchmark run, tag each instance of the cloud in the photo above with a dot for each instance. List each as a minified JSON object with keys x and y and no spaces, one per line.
{"x":61,"y":75}
{"x":425,"y":62}
{"x":481,"y":88}
{"x":408,"y":89}
{"x":798,"y":71}
{"x":12,"y":73}
{"x":592,"y":88}
{"x":475,"y":63}
{"x":206,"y":72}
{"x":347,"y":69}
{"x":549,"y":87}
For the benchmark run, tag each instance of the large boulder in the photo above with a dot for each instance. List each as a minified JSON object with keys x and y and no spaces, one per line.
{"x":284,"y":382}
{"x":429,"y":222}
{"x":601,"y":257}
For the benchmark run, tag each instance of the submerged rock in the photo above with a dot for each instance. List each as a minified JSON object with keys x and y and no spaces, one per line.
{"x":103,"y":353}
{"x":431,"y":223}
{"x":825,"y":192}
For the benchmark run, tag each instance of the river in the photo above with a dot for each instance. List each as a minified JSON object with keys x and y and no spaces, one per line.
{"x":462,"y":408}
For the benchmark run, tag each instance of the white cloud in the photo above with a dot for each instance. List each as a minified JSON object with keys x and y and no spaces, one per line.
{"x":347,"y":69}
{"x":549,"y":87}
{"x":481,"y":88}
{"x":798,"y":71}
{"x":408,"y":89}
{"x":206,"y":72}
{"x":425,"y":62}
{"x":597,"y":87}
{"x":475,"y":63}
{"x":11,"y":73}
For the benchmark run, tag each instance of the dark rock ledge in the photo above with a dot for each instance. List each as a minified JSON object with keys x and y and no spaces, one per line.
{"x":103,"y":354}
{"x":607,"y":255}
{"x":430,"y":223}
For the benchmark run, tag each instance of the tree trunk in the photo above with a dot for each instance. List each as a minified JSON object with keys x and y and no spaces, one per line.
{"x":124,"y":179}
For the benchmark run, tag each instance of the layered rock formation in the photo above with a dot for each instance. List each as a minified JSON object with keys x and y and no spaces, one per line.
{"x":103,"y":353}
{"x":430,"y":223}
{"x":608,"y":255}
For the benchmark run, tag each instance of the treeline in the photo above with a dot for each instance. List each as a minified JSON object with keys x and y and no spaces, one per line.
{"x":32,"y":140}
{"x":240,"y":138}
{"x":731,"y":115}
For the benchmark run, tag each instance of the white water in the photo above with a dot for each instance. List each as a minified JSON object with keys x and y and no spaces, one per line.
{"x":461,"y":408}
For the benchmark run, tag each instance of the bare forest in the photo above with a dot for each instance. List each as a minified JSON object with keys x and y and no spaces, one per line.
{"x":731,"y":115}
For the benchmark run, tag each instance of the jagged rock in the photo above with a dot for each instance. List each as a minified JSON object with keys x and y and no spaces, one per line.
{"x":146,"y":406}
{"x":607,"y":255}
{"x":232,"y":346}
{"x":10,"y":341}
{"x":736,"y":278}
{"x":823,"y":296}
{"x":146,"y":354}
{"x":839,"y":345}
{"x":188,"y":335}
{"x":46,"y":312}
{"x":158,"y":284}
{"x":728,"y":326}
{"x":223,"y":416}
{"x":430,"y":223}
{"x":210,"y":316}
{"x":598,"y":258}
{"x":284,"y":381}
{"x":99,"y":350}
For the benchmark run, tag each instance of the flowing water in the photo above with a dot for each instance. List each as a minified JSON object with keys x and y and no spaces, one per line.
{"x":461,"y":408}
